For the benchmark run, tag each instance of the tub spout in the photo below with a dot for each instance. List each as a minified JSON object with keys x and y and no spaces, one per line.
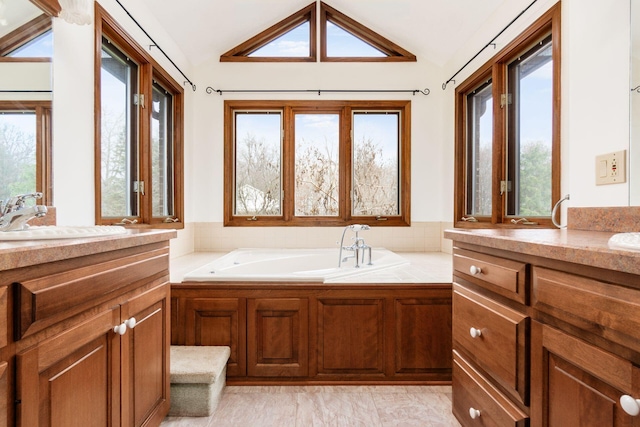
{"x":358,"y":247}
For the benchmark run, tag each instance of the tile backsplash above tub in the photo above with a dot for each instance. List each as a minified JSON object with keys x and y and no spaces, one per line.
{"x":420,"y":237}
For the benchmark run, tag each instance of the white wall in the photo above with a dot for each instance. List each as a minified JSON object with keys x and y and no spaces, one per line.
{"x":73,"y":105}
{"x":595,"y":37}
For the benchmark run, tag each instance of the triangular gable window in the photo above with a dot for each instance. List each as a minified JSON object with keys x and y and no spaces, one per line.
{"x":31,"y":40}
{"x":292,"y":39}
{"x":341,"y":43}
{"x":363,"y":45}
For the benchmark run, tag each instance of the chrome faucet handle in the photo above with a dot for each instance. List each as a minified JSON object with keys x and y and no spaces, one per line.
{"x":17,"y":202}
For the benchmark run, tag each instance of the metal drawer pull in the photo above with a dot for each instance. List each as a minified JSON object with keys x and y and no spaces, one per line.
{"x":474,"y":413}
{"x":475,"y":270}
{"x":475,"y":333}
{"x":630,"y":405}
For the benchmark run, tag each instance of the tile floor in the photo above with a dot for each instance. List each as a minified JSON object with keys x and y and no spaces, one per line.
{"x":306,"y":406}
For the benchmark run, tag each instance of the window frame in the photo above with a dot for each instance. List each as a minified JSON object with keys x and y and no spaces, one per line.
{"x":44,"y":132}
{"x":23,"y":35}
{"x":496,"y":70}
{"x":149,"y":71}
{"x":344,"y":108}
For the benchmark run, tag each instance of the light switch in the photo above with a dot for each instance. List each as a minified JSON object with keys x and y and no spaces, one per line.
{"x":611,"y":168}
{"x":602,"y":170}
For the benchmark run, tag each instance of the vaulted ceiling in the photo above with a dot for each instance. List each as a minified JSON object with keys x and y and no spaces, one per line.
{"x":431,"y":29}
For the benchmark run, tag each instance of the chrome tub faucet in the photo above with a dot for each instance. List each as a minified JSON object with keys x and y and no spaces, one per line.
{"x":14,"y":213}
{"x":358,"y":246}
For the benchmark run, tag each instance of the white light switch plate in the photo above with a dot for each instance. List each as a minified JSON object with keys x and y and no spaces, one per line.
{"x":611,"y":168}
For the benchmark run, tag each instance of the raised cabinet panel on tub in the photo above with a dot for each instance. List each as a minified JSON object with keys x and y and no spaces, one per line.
{"x":218,"y":321}
{"x":72,"y":379}
{"x":278,"y":337}
{"x":351,"y":336}
{"x":423,"y":335}
{"x":578,"y":384}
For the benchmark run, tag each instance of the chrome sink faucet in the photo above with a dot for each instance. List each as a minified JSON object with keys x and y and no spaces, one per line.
{"x":14,"y":214}
{"x":358,"y":246}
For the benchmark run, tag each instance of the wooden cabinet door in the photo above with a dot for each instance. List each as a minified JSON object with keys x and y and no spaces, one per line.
{"x":351,"y":336}
{"x":578,"y":384}
{"x":145,"y":367}
{"x":219,"y":321}
{"x":73,"y":378}
{"x":278,"y":337}
{"x":423,"y":335}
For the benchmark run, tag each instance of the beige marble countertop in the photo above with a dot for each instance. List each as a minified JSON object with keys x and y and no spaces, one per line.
{"x":570,"y":245}
{"x":425,"y":267}
{"x":17,"y":254}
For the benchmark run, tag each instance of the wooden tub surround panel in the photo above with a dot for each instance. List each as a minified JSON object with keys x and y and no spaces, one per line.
{"x":312,"y":333}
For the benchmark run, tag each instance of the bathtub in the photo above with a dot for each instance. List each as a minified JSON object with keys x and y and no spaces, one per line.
{"x":290,"y":265}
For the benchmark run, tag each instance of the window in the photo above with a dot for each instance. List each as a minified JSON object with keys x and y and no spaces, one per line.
{"x":341,"y":39}
{"x":31,"y":40}
{"x":293,"y":39}
{"x":317,"y":163}
{"x":138,"y":134}
{"x":25,"y":149}
{"x":507,"y":133}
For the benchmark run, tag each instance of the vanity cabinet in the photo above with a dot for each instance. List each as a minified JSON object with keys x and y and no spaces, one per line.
{"x":490,"y":340}
{"x":543,"y":338}
{"x":90,"y":336}
{"x":320,"y":333}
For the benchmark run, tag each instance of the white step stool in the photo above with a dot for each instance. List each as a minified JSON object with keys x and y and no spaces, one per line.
{"x":198,"y":376}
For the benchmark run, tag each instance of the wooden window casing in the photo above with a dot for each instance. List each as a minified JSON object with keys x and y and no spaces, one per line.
{"x":344,"y":109}
{"x":149,"y":71}
{"x":496,"y":71}
{"x":23,"y":35}
{"x":392,"y":52}
{"x":241,"y":52}
{"x":43,"y":133}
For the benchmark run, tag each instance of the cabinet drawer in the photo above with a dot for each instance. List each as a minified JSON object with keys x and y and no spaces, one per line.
{"x":472,"y":392}
{"x":502,"y":276}
{"x":493,"y":336}
{"x":604,"y":309}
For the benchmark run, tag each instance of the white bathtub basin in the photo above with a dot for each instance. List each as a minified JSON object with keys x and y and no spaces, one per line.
{"x":62,"y":232}
{"x":625,"y":241}
{"x":290,"y":265}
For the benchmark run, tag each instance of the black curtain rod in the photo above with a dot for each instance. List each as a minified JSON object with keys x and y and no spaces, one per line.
{"x":211,"y":90}
{"x":491,"y":43}
{"x":193,"y":86}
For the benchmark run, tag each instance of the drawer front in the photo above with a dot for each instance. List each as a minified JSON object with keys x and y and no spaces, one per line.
{"x":478,"y":403}
{"x":493,"y":336}
{"x":604,"y":309}
{"x":503,"y":276}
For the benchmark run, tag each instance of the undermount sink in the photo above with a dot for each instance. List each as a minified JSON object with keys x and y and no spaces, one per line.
{"x":625,"y":241}
{"x":62,"y":232}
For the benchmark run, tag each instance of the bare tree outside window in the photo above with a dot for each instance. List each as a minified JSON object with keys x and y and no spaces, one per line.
{"x":17,"y":154}
{"x":316,"y":167}
{"x":375,"y":164}
{"x":258,"y":164}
